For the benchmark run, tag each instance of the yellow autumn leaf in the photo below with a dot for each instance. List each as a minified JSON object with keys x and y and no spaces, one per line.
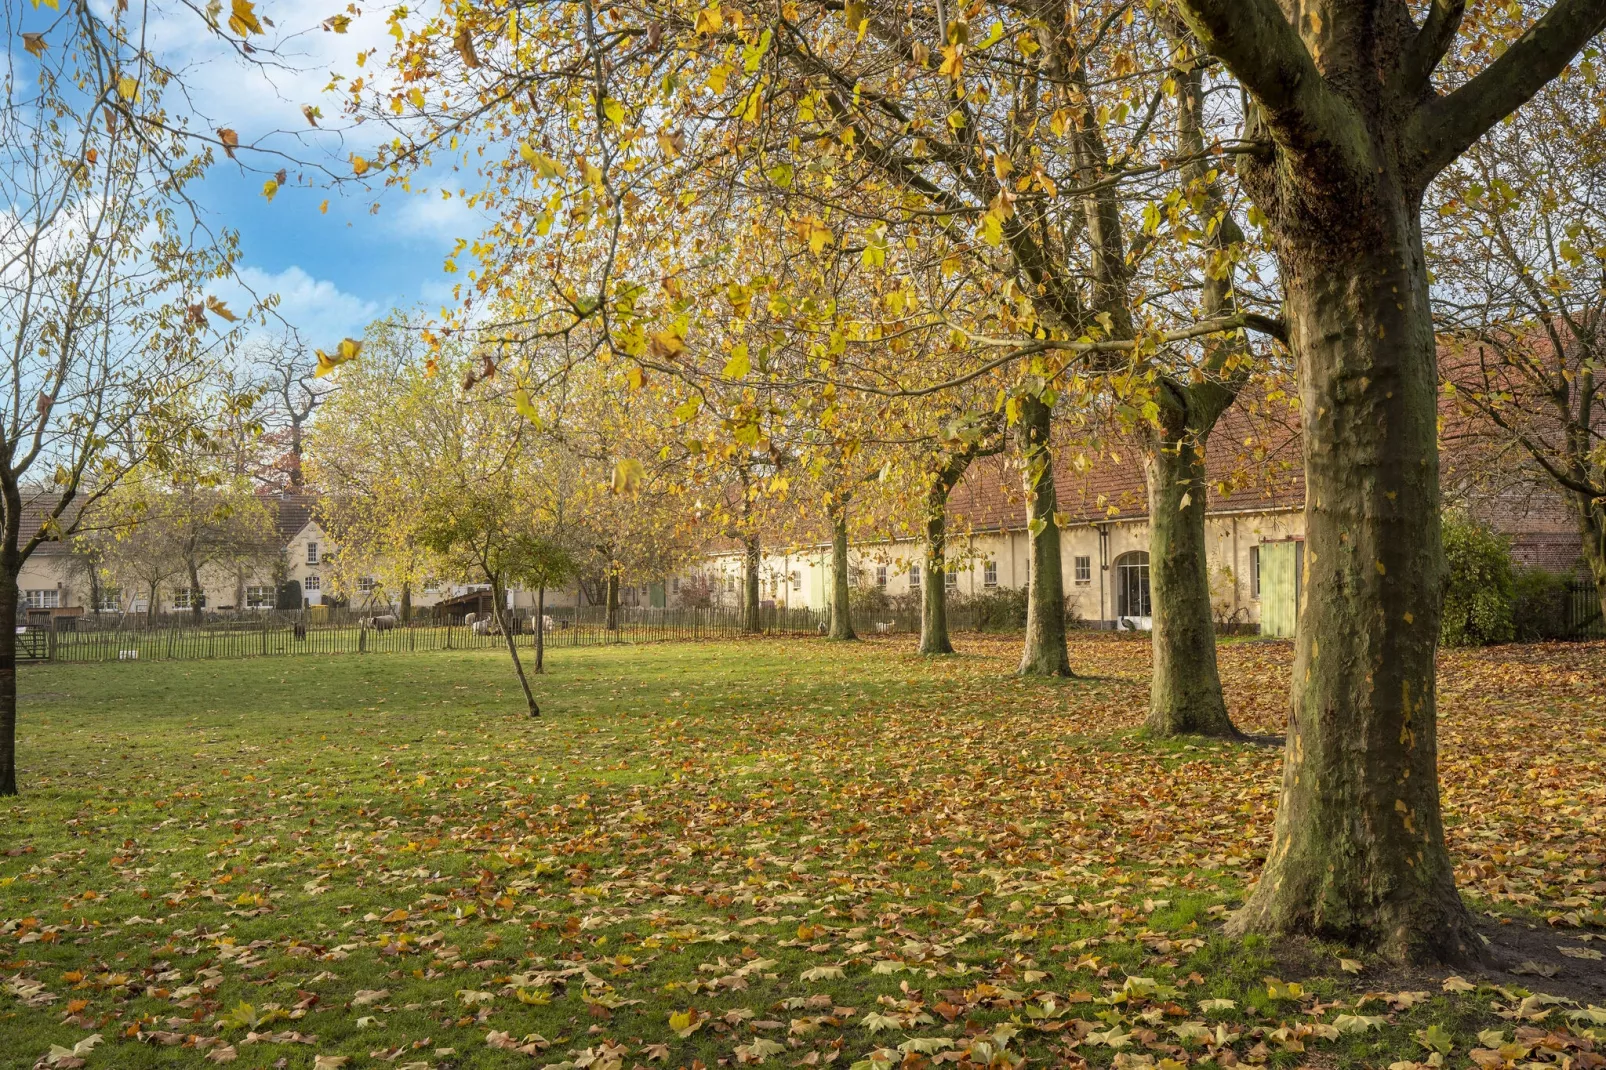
{"x":243,"y":18}
{"x":127,"y":88}
{"x":627,"y":475}
{"x":738,"y":365}
{"x":359,"y":166}
{"x":526,"y":409}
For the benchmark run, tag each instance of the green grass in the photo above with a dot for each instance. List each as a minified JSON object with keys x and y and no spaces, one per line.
{"x":836,"y":850}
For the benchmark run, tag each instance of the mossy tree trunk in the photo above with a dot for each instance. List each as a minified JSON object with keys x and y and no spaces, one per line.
{"x":1044,"y":652}
{"x":1353,"y":131}
{"x":1185,"y":694}
{"x":841,"y":590}
{"x":934,"y":592}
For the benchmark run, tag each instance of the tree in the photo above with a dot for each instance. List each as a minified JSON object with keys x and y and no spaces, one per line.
{"x":1518,"y":250}
{"x":293,"y":391}
{"x":102,"y":284}
{"x":1349,"y":130}
{"x":962,"y":443}
{"x":481,"y":530}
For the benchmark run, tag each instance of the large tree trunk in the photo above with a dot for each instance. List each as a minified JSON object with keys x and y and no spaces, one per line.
{"x":1358,"y":850}
{"x":9,"y":568}
{"x":1184,"y":687}
{"x":613,"y":598}
{"x":1043,"y":653}
{"x":751,"y":558}
{"x":841,"y":590}
{"x":506,"y":621}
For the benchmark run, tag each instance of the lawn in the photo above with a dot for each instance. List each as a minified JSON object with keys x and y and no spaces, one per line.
{"x":726,"y":853}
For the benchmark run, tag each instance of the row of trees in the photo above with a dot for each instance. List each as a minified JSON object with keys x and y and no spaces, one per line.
{"x":799,"y":265}
{"x":838,"y":246}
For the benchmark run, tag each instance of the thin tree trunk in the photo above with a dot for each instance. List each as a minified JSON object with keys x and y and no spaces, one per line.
{"x":750,"y":547}
{"x":613,"y":598}
{"x":10,"y":566}
{"x":841,"y":590}
{"x":406,"y":602}
{"x":504,"y":622}
{"x":150,"y":603}
{"x":195,"y":590}
{"x":540,"y":628}
{"x":1185,"y":685}
{"x":1358,"y":849}
{"x":1044,"y":652}
{"x":934,"y":593}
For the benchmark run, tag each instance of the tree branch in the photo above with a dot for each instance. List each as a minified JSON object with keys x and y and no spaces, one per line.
{"x":1263,"y":51}
{"x":1445,"y":127}
{"x":1429,"y":45}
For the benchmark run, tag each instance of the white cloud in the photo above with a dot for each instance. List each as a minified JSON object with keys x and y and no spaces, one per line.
{"x":321,"y":311}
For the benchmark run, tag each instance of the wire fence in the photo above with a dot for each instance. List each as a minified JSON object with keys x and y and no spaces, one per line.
{"x":286,"y":634}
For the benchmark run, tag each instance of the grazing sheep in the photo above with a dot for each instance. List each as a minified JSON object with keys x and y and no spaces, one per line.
{"x":382,"y":623}
{"x":546,"y":623}
{"x":470,"y":618}
{"x":882,"y":627}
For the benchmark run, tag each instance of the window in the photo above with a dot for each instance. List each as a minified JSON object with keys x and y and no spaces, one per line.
{"x":259,"y":598}
{"x":989,"y":574}
{"x":1132,"y":584}
{"x":914,"y":577}
{"x":1254,"y":572}
{"x":1084,"y":571}
{"x":110,"y":600}
{"x":797,"y":580}
{"x":46,"y":599}
{"x":365,"y":583}
{"x":855,"y":576}
{"x":674,"y":584}
{"x":312,"y":583}
{"x":188,"y":598}
{"x":431,"y":584}
{"x":950,"y":579}
{"x":730,"y":583}
{"x":881,"y":576}
{"x":312,"y":553}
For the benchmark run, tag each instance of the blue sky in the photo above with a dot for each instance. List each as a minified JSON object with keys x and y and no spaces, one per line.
{"x":334,"y":272}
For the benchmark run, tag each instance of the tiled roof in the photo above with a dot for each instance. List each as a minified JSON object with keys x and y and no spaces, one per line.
{"x":291,"y":511}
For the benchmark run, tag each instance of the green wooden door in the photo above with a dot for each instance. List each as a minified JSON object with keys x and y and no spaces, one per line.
{"x":1280,"y":587}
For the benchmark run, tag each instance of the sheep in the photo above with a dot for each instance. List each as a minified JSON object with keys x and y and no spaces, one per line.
{"x":546,"y":623}
{"x":382,"y":623}
{"x":883,"y":627}
{"x":470,"y":618}
{"x":480,"y":627}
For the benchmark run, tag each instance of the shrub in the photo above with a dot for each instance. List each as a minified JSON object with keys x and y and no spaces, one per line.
{"x":1539,"y":605}
{"x":1479,"y":587}
{"x":1001,"y":609}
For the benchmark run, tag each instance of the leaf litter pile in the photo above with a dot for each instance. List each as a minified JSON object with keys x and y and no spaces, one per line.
{"x":792,"y":854}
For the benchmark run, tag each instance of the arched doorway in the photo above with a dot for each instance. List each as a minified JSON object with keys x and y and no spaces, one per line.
{"x":1132,"y":590}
